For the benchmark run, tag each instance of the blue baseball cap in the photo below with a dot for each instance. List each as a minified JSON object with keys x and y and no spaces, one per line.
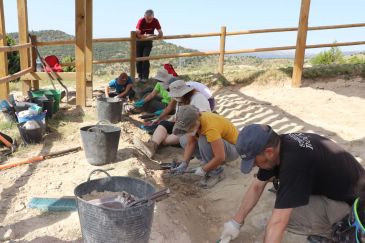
{"x":251,"y":141}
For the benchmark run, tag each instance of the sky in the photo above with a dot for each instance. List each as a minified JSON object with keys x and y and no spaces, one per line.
{"x":116,"y":18}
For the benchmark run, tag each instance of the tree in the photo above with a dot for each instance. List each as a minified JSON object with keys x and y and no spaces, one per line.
{"x":13,"y":57}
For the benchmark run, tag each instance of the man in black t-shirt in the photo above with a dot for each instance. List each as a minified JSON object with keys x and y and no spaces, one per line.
{"x":316,"y":180}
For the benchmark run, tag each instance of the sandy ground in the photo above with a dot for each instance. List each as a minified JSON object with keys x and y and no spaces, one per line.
{"x":334,"y":109}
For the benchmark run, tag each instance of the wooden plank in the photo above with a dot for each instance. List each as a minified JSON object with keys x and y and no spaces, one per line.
{"x":98,"y":40}
{"x":80,"y":47}
{"x":89,"y":50}
{"x":301,"y":44}
{"x":111,"y":61}
{"x":55,"y":43}
{"x":353,"y":43}
{"x":35,"y":83}
{"x":14,"y":76}
{"x":4,"y":86}
{"x":133,"y":55}
{"x":15,"y":47}
{"x":222,"y":48}
{"x":71,"y":76}
{"x":23,"y":39}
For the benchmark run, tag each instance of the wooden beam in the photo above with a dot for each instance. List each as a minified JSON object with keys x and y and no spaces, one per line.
{"x":24,"y":39}
{"x":80,"y":29}
{"x":301,"y":44}
{"x":222,"y":48}
{"x":35,"y":82}
{"x":133,"y":54}
{"x":89,"y":50}
{"x":71,"y":76}
{"x":14,"y":76}
{"x":4,"y":87}
{"x":14,"y":48}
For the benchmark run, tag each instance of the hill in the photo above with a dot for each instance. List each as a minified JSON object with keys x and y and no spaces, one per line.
{"x":102,"y":51}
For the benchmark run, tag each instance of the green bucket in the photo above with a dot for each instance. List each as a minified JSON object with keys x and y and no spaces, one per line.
{"x":55,"y":93}
{"x":57,"y":98}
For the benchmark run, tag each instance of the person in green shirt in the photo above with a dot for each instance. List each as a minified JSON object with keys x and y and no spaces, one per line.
{"x":159,"y":98}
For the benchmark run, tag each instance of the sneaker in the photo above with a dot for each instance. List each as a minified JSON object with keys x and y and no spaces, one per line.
{"x":212,"y":178}
{"x":149,"y":148}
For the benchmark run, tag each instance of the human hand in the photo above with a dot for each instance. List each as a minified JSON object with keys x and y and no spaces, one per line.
{"x":139,"y":103}
{"x":159,"y":112}
{"x":231,"y":230}
{"x":180,"y":169}
{"x":200,"y":171}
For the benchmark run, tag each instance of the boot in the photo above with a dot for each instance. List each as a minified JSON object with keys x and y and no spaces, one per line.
{"x":212,"y":178}
{"x":149,"y":148}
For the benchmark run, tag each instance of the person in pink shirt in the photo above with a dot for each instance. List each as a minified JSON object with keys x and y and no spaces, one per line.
{"x":145,"y":29}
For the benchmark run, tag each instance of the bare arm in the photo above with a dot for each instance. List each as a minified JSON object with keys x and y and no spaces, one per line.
{"x":170,"y":107}
{"x":277,"y":224}
{"x":150,"y":96}
{"x":189,"y":148}
{"x":107,"y":89}
{"x":138,"y":34}
{"x":160,"y":33}
{"x":125,"y":92}
{"x":219,"y":155}
{"x":250,"y":199}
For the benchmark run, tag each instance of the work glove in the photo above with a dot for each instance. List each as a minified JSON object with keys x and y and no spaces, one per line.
{"x":159,"y":112}
{"x":180,"y":169}
{"x":200,"y":172}
{"x":139,"y":103}
{"x":231,"y":230}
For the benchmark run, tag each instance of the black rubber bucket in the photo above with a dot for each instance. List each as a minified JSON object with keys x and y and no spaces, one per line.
{"x":100,"y":143}
{"x":46,"y":102}
{"x":109,"y":109}
{"x":100,"y":224}
{"x":30,"y":136}
{"x":22,"y":106}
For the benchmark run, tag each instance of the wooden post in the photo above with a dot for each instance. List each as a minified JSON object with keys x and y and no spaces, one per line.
{"x":301,"y":44}
{"x":222,"y":49}
{"x":80,"y":47}
{"x":89,"y":50}
{"x":24,"y":38}
{"x":33,"y":39}
{"x":4,"y":87}
{"x":133,"y":55}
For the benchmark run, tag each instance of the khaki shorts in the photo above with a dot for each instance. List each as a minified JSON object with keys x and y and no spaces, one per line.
{"x":317,"y":217}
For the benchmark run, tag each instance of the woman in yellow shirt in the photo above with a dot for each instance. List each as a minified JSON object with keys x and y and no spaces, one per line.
{"x":211,"y":138}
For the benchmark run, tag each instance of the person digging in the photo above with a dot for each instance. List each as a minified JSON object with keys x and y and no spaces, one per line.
{"x":210,"y":138}
{"x":181,"y":95}
{"x":317,"y":182}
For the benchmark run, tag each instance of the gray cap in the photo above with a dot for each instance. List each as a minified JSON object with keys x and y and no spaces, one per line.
{"x":186,"y":117}
{"x":251,"y":141}
{"x":179,"y":88}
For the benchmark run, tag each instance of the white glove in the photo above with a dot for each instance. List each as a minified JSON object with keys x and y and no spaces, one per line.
{"x":231,"y":230}
{"x":200,"y":172}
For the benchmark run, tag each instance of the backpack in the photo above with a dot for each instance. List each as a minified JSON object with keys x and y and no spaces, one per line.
{"x":170,"y":69}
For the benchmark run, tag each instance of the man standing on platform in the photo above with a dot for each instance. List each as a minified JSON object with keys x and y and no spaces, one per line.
{"x":145,"y":29}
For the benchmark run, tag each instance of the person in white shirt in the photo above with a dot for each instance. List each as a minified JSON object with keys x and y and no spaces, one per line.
{"x":181,"y":94}
{"x":204,"y":90}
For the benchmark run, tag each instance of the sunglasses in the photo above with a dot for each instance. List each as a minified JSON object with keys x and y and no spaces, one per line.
{"x":354,"y":221}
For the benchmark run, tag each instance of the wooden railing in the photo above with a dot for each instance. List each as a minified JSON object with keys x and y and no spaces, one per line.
{"x":221,"y":52}
{"x":223,"y":34}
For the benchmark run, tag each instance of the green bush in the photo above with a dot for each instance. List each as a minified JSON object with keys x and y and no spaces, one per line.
{"x":333,"y":56}
{"x":68,"y":68}
{"x":13,"y":57}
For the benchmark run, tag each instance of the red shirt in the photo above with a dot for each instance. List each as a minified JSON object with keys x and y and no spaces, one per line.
{"x":148,"y":28}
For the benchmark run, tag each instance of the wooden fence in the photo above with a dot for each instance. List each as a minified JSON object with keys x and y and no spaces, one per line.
{"x":84,"y":58}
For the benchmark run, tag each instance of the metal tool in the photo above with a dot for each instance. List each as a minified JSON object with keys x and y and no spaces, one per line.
{"x":157,"y":195}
